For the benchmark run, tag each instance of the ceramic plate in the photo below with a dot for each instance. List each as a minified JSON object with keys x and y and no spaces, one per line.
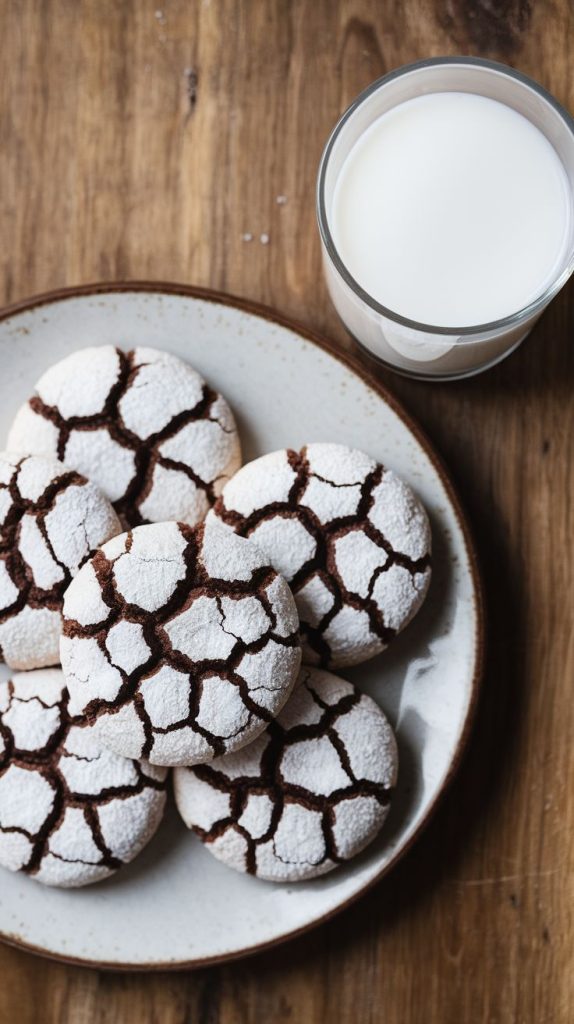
{"x":176,"y":905}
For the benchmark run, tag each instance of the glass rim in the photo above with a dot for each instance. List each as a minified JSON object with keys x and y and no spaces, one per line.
{"x":512,"y":319}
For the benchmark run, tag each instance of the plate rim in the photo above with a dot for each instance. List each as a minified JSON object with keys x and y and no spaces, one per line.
{"x":355,"y":366}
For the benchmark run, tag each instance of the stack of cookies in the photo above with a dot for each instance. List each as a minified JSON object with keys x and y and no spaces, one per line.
{"x":196,"y":608}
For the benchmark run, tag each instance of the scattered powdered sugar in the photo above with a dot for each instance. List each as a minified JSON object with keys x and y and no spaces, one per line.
{"x":71,"y":813}
{"x":309,"y":794}
{"x":180,"y":643}
{"x":51,"y":520}
{"x":350,"y":536}
{"x":143,"y":425}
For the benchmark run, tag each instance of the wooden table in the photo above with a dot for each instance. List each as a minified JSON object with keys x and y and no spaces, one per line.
{"x":144,"y":143}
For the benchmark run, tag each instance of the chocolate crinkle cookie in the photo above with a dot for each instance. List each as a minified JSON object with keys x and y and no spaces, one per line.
{"x":71,"y":813}
{"x":142,"y":424}
{"x":180,"y":643}
{"x":51,"y":520}
{"x":350,"y":537}
{"x":310,"y":793}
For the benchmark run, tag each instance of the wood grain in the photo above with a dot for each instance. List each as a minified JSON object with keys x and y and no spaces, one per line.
{"x":146,"y":147}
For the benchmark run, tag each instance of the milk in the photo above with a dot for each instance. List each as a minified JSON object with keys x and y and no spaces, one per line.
{"x":453,"y":210}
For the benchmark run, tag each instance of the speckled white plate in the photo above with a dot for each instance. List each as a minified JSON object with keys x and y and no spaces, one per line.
{"x":177,"y":906}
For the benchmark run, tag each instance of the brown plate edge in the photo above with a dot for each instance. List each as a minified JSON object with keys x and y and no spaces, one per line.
{"x":356,"y":367}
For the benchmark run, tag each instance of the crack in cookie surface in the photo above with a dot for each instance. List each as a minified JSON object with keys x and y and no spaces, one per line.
{"x":158,"y":440}
{"x":182,"y":643}
{"x":350,"y":537}
{"x":307,"y":795}
{"x":51,"y":521}
{"x":71,"y":812}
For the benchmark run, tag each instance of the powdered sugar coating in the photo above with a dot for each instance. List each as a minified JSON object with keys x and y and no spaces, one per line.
{"x":143,"y":425}
{"x":350,"y":536}
{"x":71,"y":813}
{"x":51,"y":520}
{"x":180,"y":643}
{"x":310,"y":793}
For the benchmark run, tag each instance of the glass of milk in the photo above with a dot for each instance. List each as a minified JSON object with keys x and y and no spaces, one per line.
{"x":446,"y":211}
